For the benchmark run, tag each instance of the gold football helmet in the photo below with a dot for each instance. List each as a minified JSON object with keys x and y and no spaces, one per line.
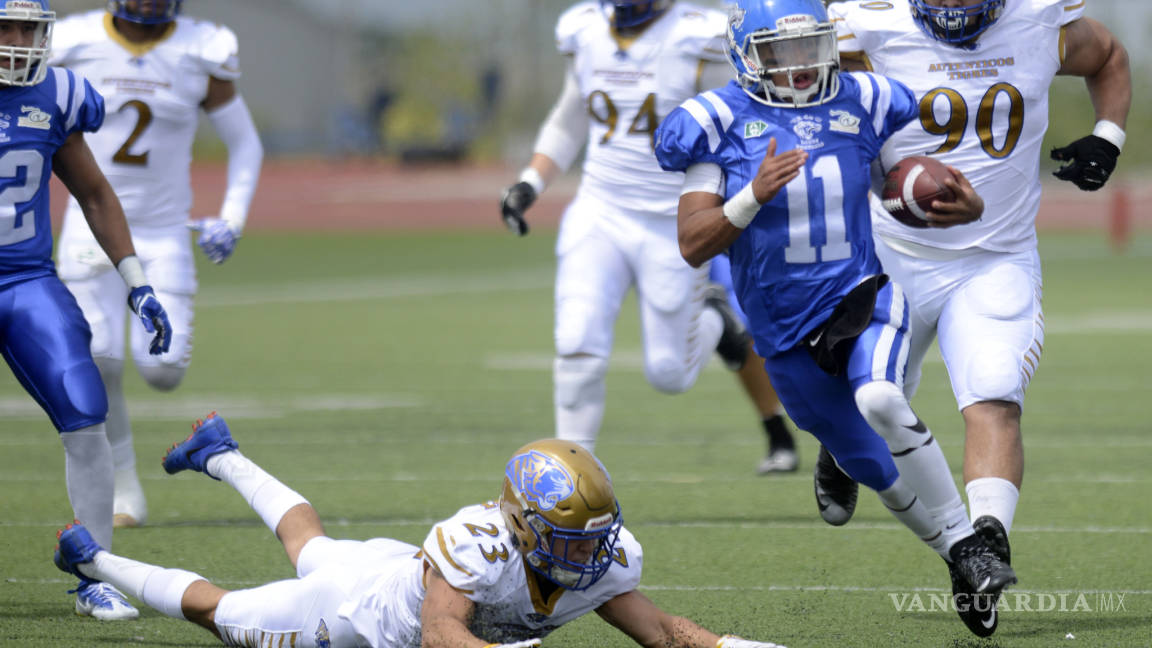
{"x":559,"y":506}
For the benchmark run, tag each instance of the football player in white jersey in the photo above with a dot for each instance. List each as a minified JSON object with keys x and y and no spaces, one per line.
{"x":630,"y":62}
{"x":157,"y":71}
{"x":505,"y":573}
{"x":981,"y":70}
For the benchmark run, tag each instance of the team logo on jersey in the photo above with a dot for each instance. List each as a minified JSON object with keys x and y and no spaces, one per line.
{"x":5,"y":124}
{"x":541,"y":479}
{"x":322,"y":639}
{"x":33,"y":117}
{"x":806,"y":128}
{"x":843,"y":121}
{"x":754,"y":129}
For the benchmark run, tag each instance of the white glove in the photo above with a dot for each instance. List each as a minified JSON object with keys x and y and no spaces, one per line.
{"x":732,"y":641}
{"x":527,"y":643}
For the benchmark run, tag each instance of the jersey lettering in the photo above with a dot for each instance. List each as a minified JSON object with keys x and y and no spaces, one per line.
{"x":14,"y":225}
{"x":955,"y":125}
{"x":143,"y":119}
{"x":800,"y":249}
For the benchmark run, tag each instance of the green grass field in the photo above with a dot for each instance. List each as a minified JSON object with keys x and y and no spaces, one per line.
{"x":388,"y":376}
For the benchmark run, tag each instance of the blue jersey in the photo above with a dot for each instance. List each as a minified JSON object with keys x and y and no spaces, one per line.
{"x":34,"y":122}
{"x":812,"y":242}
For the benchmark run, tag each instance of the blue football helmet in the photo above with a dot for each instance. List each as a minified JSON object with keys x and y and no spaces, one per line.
{"x":560,"y":508}
{"x":145,"y":12}
{"x":629,"y":14}
{"x":957,"y":25}
{"x":784,"y":52}
{"x":26,"y":66}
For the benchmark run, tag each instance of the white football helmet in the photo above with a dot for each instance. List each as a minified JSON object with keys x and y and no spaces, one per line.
{"x":20,"y":65}
{"x":559,"y":506}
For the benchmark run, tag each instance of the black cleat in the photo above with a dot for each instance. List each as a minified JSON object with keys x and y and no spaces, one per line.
{"x":990,"y":529}
{"x":978,"y":576}
{"x":733,"y":344}
{"x":835,"y":491}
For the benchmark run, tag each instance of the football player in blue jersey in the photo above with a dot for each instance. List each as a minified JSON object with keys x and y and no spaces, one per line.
{"x":43,"y":336}
{"x":830,"y":325}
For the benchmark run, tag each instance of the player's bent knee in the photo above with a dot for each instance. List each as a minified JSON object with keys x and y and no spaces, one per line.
{"x":995,"y":373}
{"x":83,"y":391}
{"x":669,"y":376}
{"x":162,"y":377}
{"x":578,"y":379}
{"x":884,"y":406}
{"x":866,"y":470}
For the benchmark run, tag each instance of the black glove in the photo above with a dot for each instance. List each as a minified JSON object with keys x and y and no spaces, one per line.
{"x":1090,"y":161}
{"x":515,"y":201}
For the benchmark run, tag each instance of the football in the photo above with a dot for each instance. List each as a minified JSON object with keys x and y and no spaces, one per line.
{"x":911,"y":186}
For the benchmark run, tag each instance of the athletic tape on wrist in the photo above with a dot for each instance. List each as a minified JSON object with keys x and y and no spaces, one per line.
{"x":132,"y":272}
{"x":1110,"y":131}
{"x":532,"y":177}
{"x":742,"y":208}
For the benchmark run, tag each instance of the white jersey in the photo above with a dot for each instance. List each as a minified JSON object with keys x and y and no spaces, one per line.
{"x":983,"y":111}
{"x":473,"y":550}
{"x":628,"y":88}
{"x":153,"y":95}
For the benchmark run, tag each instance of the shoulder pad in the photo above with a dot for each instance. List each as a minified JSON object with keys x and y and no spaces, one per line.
{"x":864,"y":26}
{"x":576,"y":19}
{"x":215,"y":46}
{"x":700,"y":33}
{"x":695,"y":131}
{"x":1049,"y":12}
{"x":470,"y":549}
{"x":74,"y":31}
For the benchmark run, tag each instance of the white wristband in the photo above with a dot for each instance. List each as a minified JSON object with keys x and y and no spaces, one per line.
{"x":1110,"y":131}
{"x":133,"y":273}
{"x":532,"y":177}
{"x":742,"y":208}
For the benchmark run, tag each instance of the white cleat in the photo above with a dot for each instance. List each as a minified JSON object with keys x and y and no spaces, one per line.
{"x":779,"y":461}
{"x":104,"y":602}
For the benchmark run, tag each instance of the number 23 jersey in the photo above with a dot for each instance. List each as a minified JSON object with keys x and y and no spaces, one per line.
{"x":473,"y":550}
{"x":983,"y":111}
{"x":628,"y":87}
{"x":153,"y":94}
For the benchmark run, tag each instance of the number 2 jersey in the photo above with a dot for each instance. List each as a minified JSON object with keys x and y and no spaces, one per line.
{"x":983,"y":111}
{"x":812,"y":242}
{"x":34,"y":123}
{"x":628,"y":88}
{"x":473,"y":551}
{"x":153,"y":93}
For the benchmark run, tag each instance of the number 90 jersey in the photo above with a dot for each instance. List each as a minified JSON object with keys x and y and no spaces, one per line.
{"x":628,"y":88}
{"x":812,"y":243}
{"x":983,"y":111}
{"x":473,"y":551}
{"x":153,"y":94}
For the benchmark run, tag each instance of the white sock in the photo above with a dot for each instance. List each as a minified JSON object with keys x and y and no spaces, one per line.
{"x":270,"y":498}
{"x":903,"y":503}
{"x":578,"y":397}
{"x":993,"y":496}
{"x":159,"y":588}
{"x":88,"y":477}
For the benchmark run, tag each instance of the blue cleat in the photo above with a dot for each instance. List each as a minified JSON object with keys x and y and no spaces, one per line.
{"x":209,"y":437}
{"x":93,"y":598}
{"x":75,"y":546}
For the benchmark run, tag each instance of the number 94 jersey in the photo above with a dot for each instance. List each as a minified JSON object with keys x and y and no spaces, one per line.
{"x":628,"y":87}
{"x":812,"y":242}
{"x":473,"y":550}
{"x":983,"y":111}
{"x":153,"y":94}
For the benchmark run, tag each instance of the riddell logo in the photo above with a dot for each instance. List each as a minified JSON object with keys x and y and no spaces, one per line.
{"x":22,"y":4}
{"x":795,"y":22}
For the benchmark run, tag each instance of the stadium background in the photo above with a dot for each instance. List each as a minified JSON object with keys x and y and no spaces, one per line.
{"x":381,"y":343}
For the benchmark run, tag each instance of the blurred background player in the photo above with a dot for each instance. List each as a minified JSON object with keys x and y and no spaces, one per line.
{"x":781,"y":454}
{"x":977,"y":289}
{"x":552,"y":549}
{"x":43,"y":335}
{"x":157,"y":71}
{"x":797,"y":226}
{"x":630,"y":63}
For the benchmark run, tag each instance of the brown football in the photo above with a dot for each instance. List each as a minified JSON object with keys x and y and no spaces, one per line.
{"x":911,"y":186}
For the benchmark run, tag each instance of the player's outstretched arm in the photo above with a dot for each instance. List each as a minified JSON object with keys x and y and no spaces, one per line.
{"x":1094,"y":52}
{"x":77,"y":169}
{"x":638,"y":617}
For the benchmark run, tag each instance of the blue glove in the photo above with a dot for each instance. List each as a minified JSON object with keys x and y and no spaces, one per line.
{"x":217,"y":238}
{"x":143,"y":302}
